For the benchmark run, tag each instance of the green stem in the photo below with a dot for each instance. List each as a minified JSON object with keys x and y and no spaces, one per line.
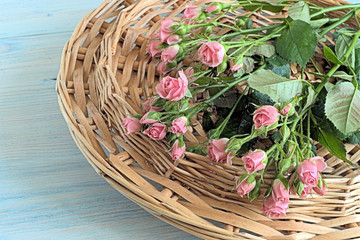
{"x":335,"y":8}
{"x":343,"y":19}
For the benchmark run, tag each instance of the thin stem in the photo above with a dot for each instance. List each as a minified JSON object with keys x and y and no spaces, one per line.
{"x":335,"y":8}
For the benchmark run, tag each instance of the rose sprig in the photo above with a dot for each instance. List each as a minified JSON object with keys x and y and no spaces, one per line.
{"x":267,"y":102}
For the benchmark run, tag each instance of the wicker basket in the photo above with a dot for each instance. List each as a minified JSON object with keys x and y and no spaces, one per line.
{"x":106,"y":74}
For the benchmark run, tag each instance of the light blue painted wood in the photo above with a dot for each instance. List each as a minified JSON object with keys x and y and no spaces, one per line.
{"x":47,"y":188}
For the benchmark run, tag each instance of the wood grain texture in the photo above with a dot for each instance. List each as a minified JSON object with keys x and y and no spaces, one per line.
{"x":47,"y":188}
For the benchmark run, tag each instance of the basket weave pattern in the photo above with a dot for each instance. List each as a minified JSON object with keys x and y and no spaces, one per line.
{"x":105,"y":76}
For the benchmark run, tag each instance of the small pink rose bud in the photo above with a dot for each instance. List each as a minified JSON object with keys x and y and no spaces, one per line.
{"x":279,"y":193}
{"x":146,"y":120}
{"x":179,"y":125}
{"x":173,"y":89}
{"x":153,"y":48}
{"x":211,"y":53}
{"x":319,"y":162}
{"x":169,"y":54}
{"x":286,"y":110}
{"x":162,"y":68}
{"x":191,"y":12}
{"x":273,"y":209}
{"x":216,"y":151}
{"x":177,"y":151}
{"x":255,"y":161}
{"x":211,"y":9}
{"x":188,"y":72}
{"x":244,"y":187}
{"x":236,"y":67}
{"x":173,"y":39}
{"x":265,"y":116}
{"x":148,"y":104}
{"x":131,"y":124}
{"x":165,"y":31}
{"x":321,"y":191}
{"x":157,"y":131}
{"x":308,"y":173}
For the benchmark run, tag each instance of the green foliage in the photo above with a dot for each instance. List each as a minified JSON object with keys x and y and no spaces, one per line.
{"x":277,"y":88}
{"x":297,"y":42}
{"x":330,"y":55}
{"x":342,"y":107}
{"x":279,"y":65}
{"x":332,"y":143}
{"x":300,"y":11}
{"x":265,"y":5}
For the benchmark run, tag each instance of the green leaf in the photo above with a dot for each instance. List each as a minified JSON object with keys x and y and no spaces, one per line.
{"x":342,"y":45}
{"x":265,"y":6}
{"x":188,"y":94}
{"x":300,"y":11}
{"x":332,"y":143}
{"x":204,"y":80}
{"x":342,"y":107}
{"x":297,"y":43}
{"x":354,"y":138}
{"x":279,"y":66}
{"x":318,"y":23}
{"x":255,"y":193}
{"x":357,"y":64}
{"x":272,"y":2}
{"x":248,"y":64}
{"x":343,"y":75}
{"x":266,"y":50}
{"x":330,"y":55}
{"x":277,"y":88}
{"x":310,"y":97}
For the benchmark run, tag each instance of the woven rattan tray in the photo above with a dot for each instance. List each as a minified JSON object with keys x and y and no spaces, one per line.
{"x":106,"y":74}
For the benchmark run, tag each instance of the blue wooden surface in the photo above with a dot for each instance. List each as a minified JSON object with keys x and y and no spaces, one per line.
{"x":47,"y":188}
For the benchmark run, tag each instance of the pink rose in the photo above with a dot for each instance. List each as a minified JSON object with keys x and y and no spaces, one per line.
{"x":173,"y":39}
{"x":131,"y":124}
{"x":169,"y":54}
{"x":273,"y":209}
{"x":155,"y":36}
{"x":165,"y":31}
{"x":321,"y":191}
{"x":265,"y":116}
{"x":236,"y":67}
{"x":177,"y":151}
{"x":279,"y":193}
{"x":255,"y":161}
{"x":148,"y":104}
{"x":162,"y":68}
{"x":308,"y":173}
{"x":211,"y":9}
{"x":188,"y":72}
{"x":179,"y":125}
{"x":211,"y":53}
{"x":319,"y":162}
{"x":143,"y":120}
{"x":216,"y":150}
{"x":157,"y":131}
{"x":173,"y":89}
{"x":153,"y":48}
{"x":244,"y":187}
{"x":307,"y":190}
{"x":191,"y":13}
{"x":286,"y":110}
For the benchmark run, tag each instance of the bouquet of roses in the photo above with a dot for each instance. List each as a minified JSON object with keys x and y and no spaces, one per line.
{"x":252,"y":92}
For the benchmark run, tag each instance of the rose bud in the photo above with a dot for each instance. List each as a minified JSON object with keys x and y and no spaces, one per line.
{"x":169,"y":54}
{"x":236,"y":67}
{"x":190,"y":13}
{"x":273,"y":209}
{"x":153,"y":48}
{"x":321,"y":191}
{"x":216,"y":150}
{"x":179,"y":125}
{"x":177,"y":151}
{"x":286,"y":110}
{"x":211,"y":53}
{"x":173,"y":89}
{"x":308,"y":173}
{"x":319,"y":162}
{"x":165,"y":31}
{"x":148,"y":104}
{"x":188,"y":72}
{"x":157,"y":131}
{"x":153,"y":118}
{"x":244,"y":187}
{"x":279,"y":193}
{"x":255,"y":161}
{"x":265,"y":116}
{"x":131,"y":124}
{"x":162,"y":68}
